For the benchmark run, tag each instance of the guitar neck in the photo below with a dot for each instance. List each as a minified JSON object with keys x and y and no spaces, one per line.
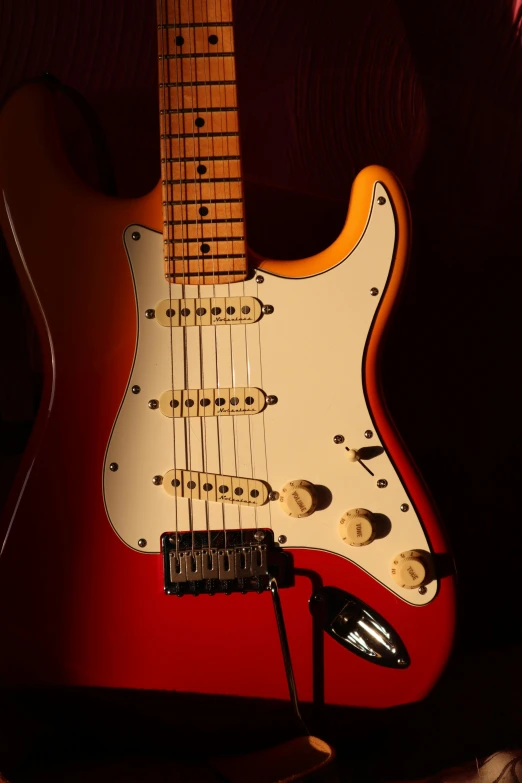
{"x":203,"y":215}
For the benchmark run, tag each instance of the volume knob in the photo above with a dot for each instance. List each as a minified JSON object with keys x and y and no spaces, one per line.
{"x":298,"y":498}
{"x":356,"y":527}
{"x":410,"y":569}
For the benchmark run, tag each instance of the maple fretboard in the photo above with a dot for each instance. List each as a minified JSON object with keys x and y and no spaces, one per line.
{"x":200,"y":157}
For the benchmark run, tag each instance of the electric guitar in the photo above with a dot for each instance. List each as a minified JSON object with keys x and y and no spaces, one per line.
{"x":212,"y":440}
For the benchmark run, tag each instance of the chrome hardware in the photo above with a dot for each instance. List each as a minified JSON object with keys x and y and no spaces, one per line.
{"x":368,"y":434}
{"x":271,"y":399}
{"x":136,"y":389}
{"x":382,"y":483}
{"x":423,"y":590}
{"x":273,"y":495}
{"x":150,"y":313}
{"x":359,"y":628}
{"x":282,"y":539}
{"x":374,"y":291}
{"x":267,"y":309}
{"x":114,"y":467}
{"x":142,"y":542}
{"x":157,"y":480}
{"x":259,"y":535}
{"x":338,"y":439}
{"x":235,"y":561}
{"x":136,"y":235}
{"x":405,"y":507}
{"x":153,"y":404}
{"x":260,"y":279}
{"x":381,"y":200}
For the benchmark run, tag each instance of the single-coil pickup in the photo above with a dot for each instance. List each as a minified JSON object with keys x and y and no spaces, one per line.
{"x":211,"y":487}
{"x":215,"y":311}
{"x":212,"y":402}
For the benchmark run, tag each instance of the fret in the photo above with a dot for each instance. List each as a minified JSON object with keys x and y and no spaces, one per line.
{"x":205,"y":265}
{"x":187,"y":240}
{"x":203,"y":191}
{"x":200,"y":147}
{"x":192,"y":157}
{"x":195,"y":182}
{"x":194,"y":24}
{"x":194,"y":84}
{"x":194,"y":55}
{"x":203,"y":232}
{"x":207,"y":201}
{"x":209,"y":98}
{"x":209,"y":171}
{"x":214,"y":122}
{"x":202,"y":221}
{"x":198,"y":109}
{"x":194,"y":135}
{"x":182,"y":273}
{"x":199,"y":69}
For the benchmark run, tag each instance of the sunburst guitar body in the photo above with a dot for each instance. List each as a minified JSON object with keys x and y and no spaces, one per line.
{"x":205,"y":429}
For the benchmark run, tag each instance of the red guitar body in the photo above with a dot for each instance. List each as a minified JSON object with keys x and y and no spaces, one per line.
{"x":77,"y":606}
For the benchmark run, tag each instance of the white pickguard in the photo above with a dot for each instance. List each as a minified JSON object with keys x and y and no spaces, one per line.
{"x":309,"y":354}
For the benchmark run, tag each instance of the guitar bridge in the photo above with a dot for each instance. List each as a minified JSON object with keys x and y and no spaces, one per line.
{"x":232,"y":561}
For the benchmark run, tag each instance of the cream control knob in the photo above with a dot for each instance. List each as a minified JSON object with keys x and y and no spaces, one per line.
{"x":298,"y":498}
{"x":410,"y":569}
{"x":356,"y":527}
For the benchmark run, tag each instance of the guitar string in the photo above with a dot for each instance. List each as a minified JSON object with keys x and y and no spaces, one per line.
{"x":185,"y":252}
{"x":252,"y":327}
{"x":227,"y":185}
{"x":165,"y":77}
{"x":212,"y":212}
{"x":199,"y":222}
{"x":201,"y":424}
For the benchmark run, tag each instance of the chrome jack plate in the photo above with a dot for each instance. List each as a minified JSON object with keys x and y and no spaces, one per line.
{"x":359,"y":628}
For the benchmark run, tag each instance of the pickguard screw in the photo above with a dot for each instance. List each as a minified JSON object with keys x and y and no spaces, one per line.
{"x":267,"y":309}
{"x":149,"y":313}
{"x":368,"y":434}
{"x":273,"y":495}
{"x":157,"y":480}
{"x":271,"y":399}
{"x":136,"y":389}
{"x":259,"y":535}
{"x":153,"y":404}
{"x":401,"y":661}
{"x":136,"y":235}
{"x":405,"y":507}
{"x":142,"y":542}
{"x":114,"y":467}
{"x":282,"y":539}
{"x":374,"y":291}
{"x":423,"y":590}
{"x":260,"y":279}
{"x":382,"y":483}
{"x":381,"y":200}
{"x":338,"y":439}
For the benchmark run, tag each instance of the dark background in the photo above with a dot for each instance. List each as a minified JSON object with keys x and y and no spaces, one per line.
{"x":432,"y":91}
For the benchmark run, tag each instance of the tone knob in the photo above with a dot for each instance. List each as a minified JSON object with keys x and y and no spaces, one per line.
{"x":298,"y":498}
{"x":356,"y":527}
{"x":410,"y":569}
